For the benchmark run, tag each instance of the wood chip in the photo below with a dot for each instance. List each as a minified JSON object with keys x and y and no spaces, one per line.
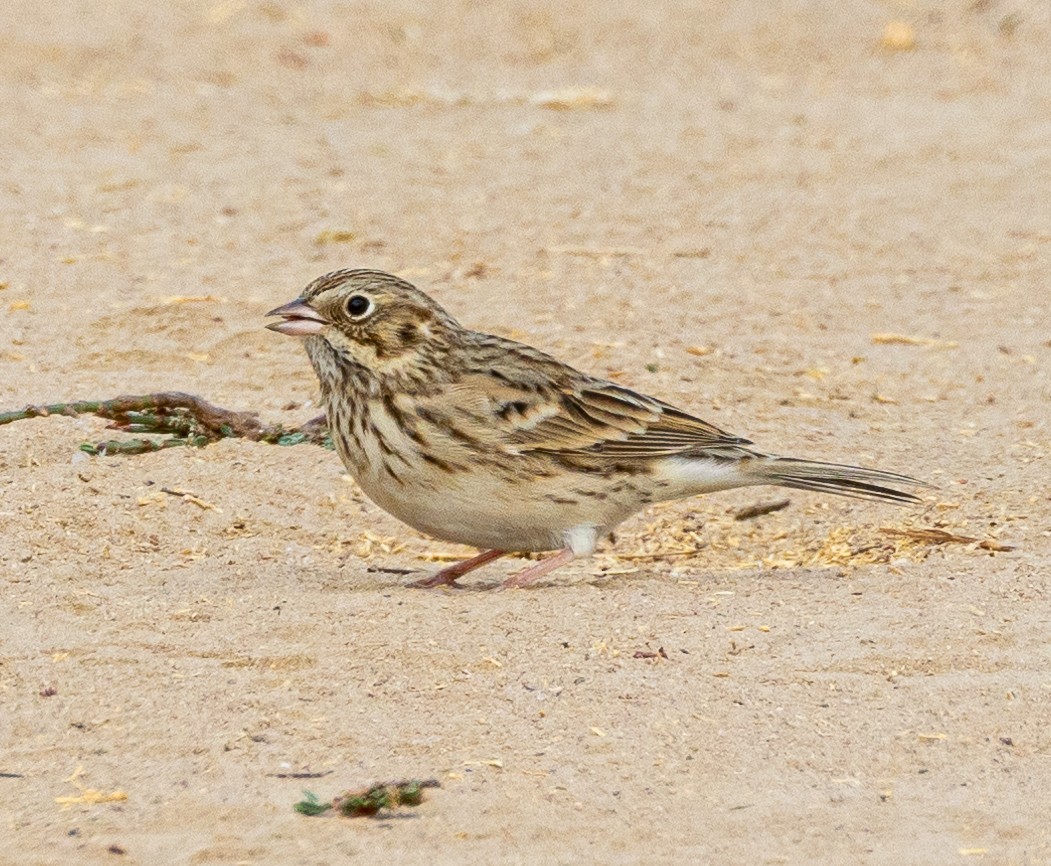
{"x":397,"y":97}
{"x":570,"y":98}
{"x":929,"y":536}
{"x":186,"y":496}
{"x":334,"y":236}
{"x":761,"y":508}
{"x":91,"y":797}
{"x":898,"y":36}
{"x":906,"y":340}
{"x":661,"y":554}
{"x":171,"y":300}
{"x":594,"y":252}
{"x":435,"y":555}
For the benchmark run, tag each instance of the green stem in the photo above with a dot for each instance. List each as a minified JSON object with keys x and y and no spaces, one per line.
{"x":80,"y":407}
{"x":188,"y":420}
{"x":354,"y":804}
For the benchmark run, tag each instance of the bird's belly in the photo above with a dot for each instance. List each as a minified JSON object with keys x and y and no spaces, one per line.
{"x":488,"y":510}
{"x":510,"y":504}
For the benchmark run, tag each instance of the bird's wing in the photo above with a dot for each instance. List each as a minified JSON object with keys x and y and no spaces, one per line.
{"x":533,"y":403}
{"x":605,"y":419}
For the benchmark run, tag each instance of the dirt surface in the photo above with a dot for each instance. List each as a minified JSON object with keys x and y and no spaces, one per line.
{"x":730,"y":206}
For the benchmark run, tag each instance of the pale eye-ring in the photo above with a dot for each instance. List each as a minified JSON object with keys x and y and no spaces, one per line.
{"x":358,"y":306}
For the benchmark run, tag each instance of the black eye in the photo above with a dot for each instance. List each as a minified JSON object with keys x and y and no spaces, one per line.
{"x":358,"y":306}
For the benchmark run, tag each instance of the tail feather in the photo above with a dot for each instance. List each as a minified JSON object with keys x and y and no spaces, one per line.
{"x":854,"y":481}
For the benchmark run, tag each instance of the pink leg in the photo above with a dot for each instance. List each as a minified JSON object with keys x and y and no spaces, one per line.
{"x":535,"y":572}
{"x":448,"y":575}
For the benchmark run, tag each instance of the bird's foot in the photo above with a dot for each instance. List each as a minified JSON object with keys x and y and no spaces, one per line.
{"x":439,"y":578}
{"x":537,"y":571}
{"x":451,"y":573}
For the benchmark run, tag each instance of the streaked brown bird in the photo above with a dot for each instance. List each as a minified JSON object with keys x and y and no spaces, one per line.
{"x":480,"y":440}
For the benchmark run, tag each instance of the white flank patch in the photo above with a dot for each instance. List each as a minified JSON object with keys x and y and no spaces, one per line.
{"x":581,"y":540}
{"x":699,"y":475}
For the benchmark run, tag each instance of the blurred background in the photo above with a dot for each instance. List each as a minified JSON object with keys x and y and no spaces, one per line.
{"x":760,"y":178}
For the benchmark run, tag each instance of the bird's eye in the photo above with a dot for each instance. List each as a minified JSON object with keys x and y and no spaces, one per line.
{"x":358,"y":306}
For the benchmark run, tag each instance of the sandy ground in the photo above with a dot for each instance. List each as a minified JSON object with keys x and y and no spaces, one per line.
{"x":721,"y":204}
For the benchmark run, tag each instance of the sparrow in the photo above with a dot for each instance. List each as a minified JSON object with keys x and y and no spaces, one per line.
{"x":480,"y":440}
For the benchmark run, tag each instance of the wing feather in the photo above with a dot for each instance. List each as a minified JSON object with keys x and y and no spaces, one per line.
{"x":527,"y":401}
{"x":603,"y":419}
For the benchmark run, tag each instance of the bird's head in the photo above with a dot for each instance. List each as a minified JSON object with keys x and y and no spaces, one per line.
{"x":373,"y":319}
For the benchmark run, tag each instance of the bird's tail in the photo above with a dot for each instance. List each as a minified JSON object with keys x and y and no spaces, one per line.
{"x":852,"y":481}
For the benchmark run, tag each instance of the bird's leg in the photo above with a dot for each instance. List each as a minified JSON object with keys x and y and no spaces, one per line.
{"x":448,"y":575}
{"x":535,"y":572}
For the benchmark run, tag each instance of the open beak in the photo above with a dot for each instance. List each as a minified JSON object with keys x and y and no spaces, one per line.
{"x":298,"y":319}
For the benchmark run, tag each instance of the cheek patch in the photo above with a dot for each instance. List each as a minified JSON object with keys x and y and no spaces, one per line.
{"x":409,"y":335}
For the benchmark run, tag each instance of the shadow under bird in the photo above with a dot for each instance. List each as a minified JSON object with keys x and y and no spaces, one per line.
{"x":480,"y":440}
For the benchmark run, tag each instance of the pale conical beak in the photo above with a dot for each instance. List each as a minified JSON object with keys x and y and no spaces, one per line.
{"x":299,"y":319}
